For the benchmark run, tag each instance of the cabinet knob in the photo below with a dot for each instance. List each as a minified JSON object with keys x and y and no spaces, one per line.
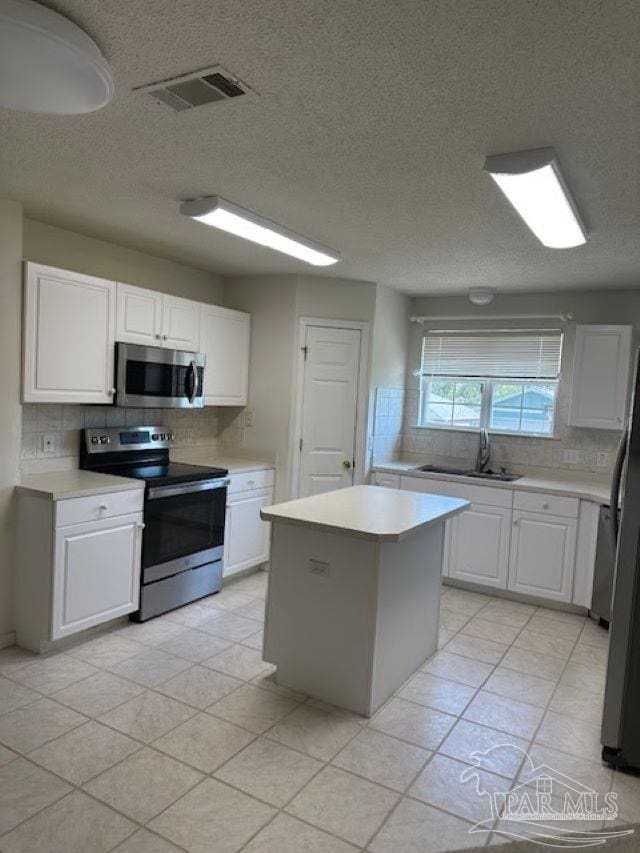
{"x":157,"y":337}
{"x":515,"y":522}
{"x":112,"y":391}
{"x":140,"y":525}
{"x":104,"y":506}
{"x":545,"y":505}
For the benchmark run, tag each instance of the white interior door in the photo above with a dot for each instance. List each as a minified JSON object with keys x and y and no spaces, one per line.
{"x":329,"y":406}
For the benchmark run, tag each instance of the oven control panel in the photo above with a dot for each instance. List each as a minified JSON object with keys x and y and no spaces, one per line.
{"x":101,"y":439}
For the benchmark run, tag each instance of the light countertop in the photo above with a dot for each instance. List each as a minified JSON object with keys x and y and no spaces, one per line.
{"x":566,"y":485}
{"x":60,"y":485}
{"x":211,"y":456}
{"x":368,"y":512}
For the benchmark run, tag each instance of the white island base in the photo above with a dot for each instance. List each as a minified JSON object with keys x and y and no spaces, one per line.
{"x":354,"y":592}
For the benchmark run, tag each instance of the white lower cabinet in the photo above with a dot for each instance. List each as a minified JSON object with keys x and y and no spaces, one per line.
{"x":246,"y":535}
{"x":78,"y":563}
{"x":96,"y":573}
{"x":515,"y":540}
{"x":479,"y":545}
{"x":542,"y":555}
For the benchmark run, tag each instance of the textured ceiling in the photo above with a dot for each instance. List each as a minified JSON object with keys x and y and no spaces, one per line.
{"x":369,"y":135}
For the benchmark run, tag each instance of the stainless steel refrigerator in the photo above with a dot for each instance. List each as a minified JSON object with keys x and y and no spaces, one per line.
{"x":621,"y":718}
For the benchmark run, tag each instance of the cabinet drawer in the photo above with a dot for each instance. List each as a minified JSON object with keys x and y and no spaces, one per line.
{"x":77,"y":510}
{"x":391,"y":481}
{"x":551,"y":504}
{"x":250,"y":480}
{"x":476,"y":494}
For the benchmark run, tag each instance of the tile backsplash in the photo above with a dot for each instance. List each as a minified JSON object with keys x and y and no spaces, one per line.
{"x":397,"y":435}
{"x":62,"y":424}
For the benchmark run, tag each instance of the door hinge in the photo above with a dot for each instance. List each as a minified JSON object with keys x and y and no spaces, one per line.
{"x":305,"y":350}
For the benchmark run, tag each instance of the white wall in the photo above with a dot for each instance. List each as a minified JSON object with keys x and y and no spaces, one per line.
{"x":389,"y":354}
{"x":46,"y":244}
{"x":10,"y":411}
{"x":276,"y":303}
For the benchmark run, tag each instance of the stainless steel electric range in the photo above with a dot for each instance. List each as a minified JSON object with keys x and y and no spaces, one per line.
{"x":184,"y":514}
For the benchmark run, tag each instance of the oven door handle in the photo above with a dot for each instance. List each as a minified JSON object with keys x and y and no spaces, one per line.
{"x":192,"y":381}
{"x":157,"y":492}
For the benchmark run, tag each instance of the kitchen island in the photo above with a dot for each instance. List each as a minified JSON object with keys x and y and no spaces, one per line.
{"x":354,"y":591}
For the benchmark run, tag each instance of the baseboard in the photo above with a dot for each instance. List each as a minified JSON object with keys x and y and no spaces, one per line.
{"x":7,"y":639}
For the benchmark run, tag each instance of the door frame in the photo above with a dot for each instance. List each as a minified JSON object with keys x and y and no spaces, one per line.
{"x":361,"y":326}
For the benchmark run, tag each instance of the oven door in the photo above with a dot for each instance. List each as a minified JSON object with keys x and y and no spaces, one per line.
{"x":151,"y":377}
{"x":184,"y":527}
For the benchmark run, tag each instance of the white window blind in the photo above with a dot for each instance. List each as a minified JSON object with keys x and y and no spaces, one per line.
{"x":499,"y":355}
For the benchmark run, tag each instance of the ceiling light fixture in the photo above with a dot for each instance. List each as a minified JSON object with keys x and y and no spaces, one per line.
{"x":532,"y":182}
{"x":48,"y":64}
{"x":481,"y":295}
{"x":223,"y":214}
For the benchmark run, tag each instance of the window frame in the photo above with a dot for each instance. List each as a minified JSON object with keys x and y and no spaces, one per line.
{"x":486,"y":390}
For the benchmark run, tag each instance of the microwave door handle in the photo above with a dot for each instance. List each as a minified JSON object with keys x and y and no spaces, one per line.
{"x":191,"y":381}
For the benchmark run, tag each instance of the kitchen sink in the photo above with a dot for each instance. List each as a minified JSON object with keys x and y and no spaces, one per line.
{"x":501,"y":476}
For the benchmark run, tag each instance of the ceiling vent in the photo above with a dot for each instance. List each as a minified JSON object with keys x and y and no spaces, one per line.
{"x":197,"y":89}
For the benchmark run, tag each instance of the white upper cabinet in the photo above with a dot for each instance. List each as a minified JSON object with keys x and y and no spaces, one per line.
{"x":157,"y":319}
{"x":224,"y":339}
{"x":139,"y":315}
{"x":180,"y":323}
{"x":600,"y":376}
{"x":69,"y":334}
{"x":72,"y":321}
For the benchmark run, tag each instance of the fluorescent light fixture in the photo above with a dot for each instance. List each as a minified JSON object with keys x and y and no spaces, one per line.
{"x":532,"y":182}
{"x":227,"y":216}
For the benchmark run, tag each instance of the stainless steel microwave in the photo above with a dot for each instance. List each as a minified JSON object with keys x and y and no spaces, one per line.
{"x":156,"y":378}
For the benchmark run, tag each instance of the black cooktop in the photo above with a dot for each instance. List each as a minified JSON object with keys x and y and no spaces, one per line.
{"x":162,"y":474}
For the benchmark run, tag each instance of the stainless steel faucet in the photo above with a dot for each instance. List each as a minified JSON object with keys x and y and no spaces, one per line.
{"x":484,"y":451}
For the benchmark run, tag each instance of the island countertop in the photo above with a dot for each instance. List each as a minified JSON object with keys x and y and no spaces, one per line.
{"x":368,"y":512}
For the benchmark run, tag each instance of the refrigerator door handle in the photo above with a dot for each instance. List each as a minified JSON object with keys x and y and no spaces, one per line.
{"x":621,"y":455}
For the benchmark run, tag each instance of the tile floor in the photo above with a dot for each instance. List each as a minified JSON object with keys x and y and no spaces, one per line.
{"x":172,"y":736}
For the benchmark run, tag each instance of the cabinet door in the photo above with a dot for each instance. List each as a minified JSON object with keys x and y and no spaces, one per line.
{"x":224,"y":339}
{"x":96,"y":575}
{"x":542,"y":555}
{"x":69,"y":334}
{"x":479,"y":545}
{"x":600,"y":376}
{"x":180,"y":323}
{"x":138,"y":315}
{"x":246,"y":535}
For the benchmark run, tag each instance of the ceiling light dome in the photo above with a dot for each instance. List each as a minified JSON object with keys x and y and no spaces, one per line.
{"x":48,"y":64}
{"x":481,"y":295}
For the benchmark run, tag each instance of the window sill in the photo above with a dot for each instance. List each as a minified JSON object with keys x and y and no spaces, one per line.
{"x":496,"y":433}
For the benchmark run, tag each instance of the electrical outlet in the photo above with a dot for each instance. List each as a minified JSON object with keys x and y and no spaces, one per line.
{"x":249,"y":418}
{"x":49,"y":443}
{"x":602,"y":459}
{"x":319,"y":568}
{"x":571,"y":456}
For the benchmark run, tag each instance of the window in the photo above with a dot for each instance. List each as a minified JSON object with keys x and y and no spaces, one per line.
{"x":504,"y":381}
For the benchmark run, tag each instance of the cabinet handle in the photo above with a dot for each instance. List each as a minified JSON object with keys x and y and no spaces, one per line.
{"x":104,"y":506}
{"x":251,"y":482}
{"x":165,"y":337}
{"x":515,"y":522}
{"x":158,"y":337}
{"x":545,"y":505}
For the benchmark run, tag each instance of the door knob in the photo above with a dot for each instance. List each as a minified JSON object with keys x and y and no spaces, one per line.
{"x":346,"y":463}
